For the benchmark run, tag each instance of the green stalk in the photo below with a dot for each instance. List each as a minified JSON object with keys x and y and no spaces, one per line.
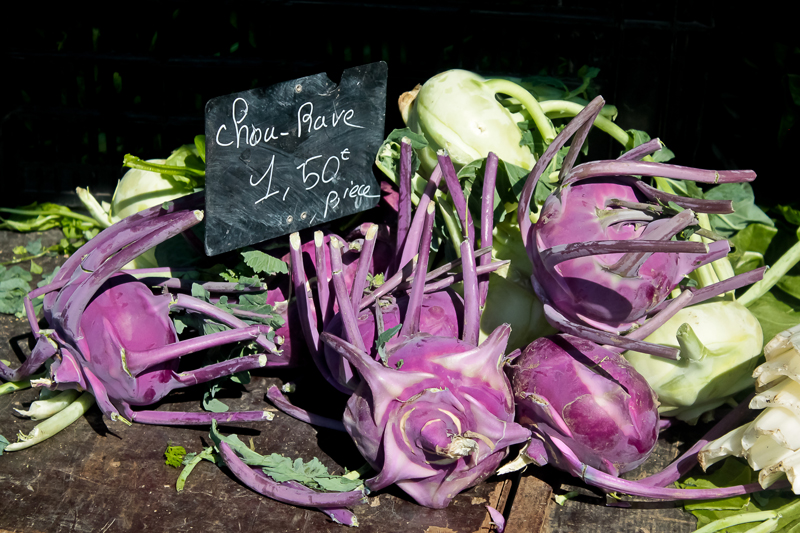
{"x":564,"y":109}
{"x":772,"y":276}
{"x":132,"y":161}
{"x":450,"y":222}
{"x":735,"y":520}
{"x":14,"y":386}
{"x":54,"y":424}
{"x":531,"y":104}
{"x":49,"y":212}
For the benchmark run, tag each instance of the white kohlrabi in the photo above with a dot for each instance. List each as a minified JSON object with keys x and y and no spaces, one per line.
{"x":457,"y":111}
{"x":771,"y":442}
{"x":719,"y":343}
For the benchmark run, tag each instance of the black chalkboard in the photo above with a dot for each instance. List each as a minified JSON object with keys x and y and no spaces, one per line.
{"x":294,"y":155}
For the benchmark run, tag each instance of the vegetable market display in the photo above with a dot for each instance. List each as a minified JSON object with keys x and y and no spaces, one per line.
{"x":635,"y":314}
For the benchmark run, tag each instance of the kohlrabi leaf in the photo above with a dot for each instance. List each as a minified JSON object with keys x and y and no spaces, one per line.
{"x":383,"y":338}
{"x":13,"y":289}
{"x":200,"y":144}
{"x":638,"y":137}
{"x":192,"y":460}
{"x":745,"y":209}
{"x":749,"y":247}
{"x":736,"y":472}
{"x":3,"y":443}
{"x":210,"y":403}
{"x":773,"y":315}
{"x":174,"y":456}
{"x":312,"y":474}
{"x":264,"y":263}
{"x":388,"y":157}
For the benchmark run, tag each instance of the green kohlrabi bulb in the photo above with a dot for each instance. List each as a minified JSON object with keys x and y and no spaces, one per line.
{"x":720,"y":343}
{"x":457,"y":111}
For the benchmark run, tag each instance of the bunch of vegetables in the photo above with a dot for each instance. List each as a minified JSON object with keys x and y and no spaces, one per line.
{"x":438,"y":391}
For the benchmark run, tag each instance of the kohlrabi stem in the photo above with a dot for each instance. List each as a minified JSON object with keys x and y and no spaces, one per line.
{"x":472,"y":303}
{"x":404,"y":201}
{"x":674,"y":305}
{"x":605,"y":168}
{"x":683,"y":464}
{"x":412,"y":240}
{"x":772,"y":276}
{"x":451,"y":225}
{"x":323,"y":287}
{"x":457,"y":195}
{"x":14,"y":386}
{"x":534,"y":108}
{"x":184,"y":301}
{"x":643,"y":150}
{"x":139,"y":361}
{"x":735,"y":520}
{"x":55,"y":211}
{"x":524,"y":207}
{"x":305,"y":303}
{"x":41,"y":409}
{"x":487,"y":220}
{"x":414,"y":309}
{"x":695,"y":204}
{"x":348,"y":314}
{"x":54,"y":424}
{"x":132,"y":161}
{"x":564,"y":109}
{"x":480,"y":270}
{"x":562,"y":323}
{"x":178,"y":418}
{"x":283,"y":492}
{"x":564,"y":252}
{"x":364,"y":262}
{"x":44,"y":349}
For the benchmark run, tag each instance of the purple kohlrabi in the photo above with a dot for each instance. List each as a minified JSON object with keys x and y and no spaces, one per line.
{"x":112,"y":335}
{"x":602,"y":249}
{"x":589,"y":397}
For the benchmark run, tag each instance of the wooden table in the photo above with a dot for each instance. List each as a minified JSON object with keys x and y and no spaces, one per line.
{"x":100,"y":476}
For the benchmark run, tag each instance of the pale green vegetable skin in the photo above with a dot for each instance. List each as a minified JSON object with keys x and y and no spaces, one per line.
{"x":703,"y":379}
{"x":458,"y":113}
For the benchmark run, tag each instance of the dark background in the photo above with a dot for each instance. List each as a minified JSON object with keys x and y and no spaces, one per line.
{"x":83,"y":84}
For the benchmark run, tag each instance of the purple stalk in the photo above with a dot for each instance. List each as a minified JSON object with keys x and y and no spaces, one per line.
{"x":454,"y":278}
{"x":285,"y":492}
{"x":457,"y":195}
{"x":404,"y":202}
{"x":597,"y":169}
{"x":323,"y":288}
{"x":715,"y":289}
{"x":487,"y":220}
{"x":577,"y":143}
{"x":220,"y":287}
{"x":280,"y":401}
{"x":683,"y":464}
{"x":341,"y":516}
{"x":364,"y":261}
{"x":560,"y":322}
{"x":629,"y":265}
{"x":178,"y":418}
{"x":564,"y":252}
{"x":414,"y":309}
{"x":35,"y":293}
{"x":70,"y":314}
{"x":643,"y":150}
{"x":610,"y":483}
{"x":226,"y":368}
{"x":349,"y":322}
{"x":138,"y":362}
{"x":523,"y":211}
{"x":673,"y":306}
{"x":415,"y":232}
{"x":472,"y":307}
{"x":190,"y":303}
{"x":407,"y":275}
{"x":302,"y":290}
{"x":695,"y":204}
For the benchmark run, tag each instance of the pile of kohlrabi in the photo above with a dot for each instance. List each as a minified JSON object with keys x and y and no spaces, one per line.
{"x":508,"y":297}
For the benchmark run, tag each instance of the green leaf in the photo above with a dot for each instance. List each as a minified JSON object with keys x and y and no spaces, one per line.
{"x":200,"y":143}
{"x":745,"y":209}
{"x":383,"y":338}
{"x":210,"y":403}
{"x":749,"y":247}
{"x":35,"y":269}
{"x":773,"y":315}
{"x":264,"y":263}
{"x":13,"y":289}
{"x":791,"y":214}
{"x":733,"y":472}
{"x":312,"y":474}
{"x":3,"y":443}
{"x":174,"y":455}
{"x":192,"y":460}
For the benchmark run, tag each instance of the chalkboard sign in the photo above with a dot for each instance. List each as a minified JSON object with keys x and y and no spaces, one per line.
{"x":294,"y":155}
